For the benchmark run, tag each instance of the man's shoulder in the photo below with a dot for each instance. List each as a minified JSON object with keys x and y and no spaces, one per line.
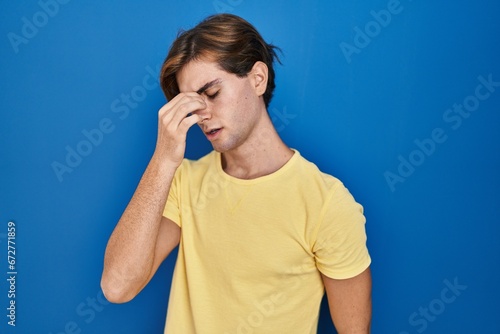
{"x":316,"y":181}
{"x":312,"y":174}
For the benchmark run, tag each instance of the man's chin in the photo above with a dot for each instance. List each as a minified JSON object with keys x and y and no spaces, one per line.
{"x":221,"y":148}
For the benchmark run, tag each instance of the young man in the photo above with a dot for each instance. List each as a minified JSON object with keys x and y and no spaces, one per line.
{"x":262,"y":233}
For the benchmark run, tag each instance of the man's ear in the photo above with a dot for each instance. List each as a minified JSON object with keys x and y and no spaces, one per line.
{"x":259,"y":76}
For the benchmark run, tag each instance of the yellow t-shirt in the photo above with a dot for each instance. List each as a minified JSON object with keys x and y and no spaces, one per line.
{"x":251,"y":251}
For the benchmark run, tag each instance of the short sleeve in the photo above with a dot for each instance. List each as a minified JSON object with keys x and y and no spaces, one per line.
{"x":340,"y":246}
{"x":172,"y":207}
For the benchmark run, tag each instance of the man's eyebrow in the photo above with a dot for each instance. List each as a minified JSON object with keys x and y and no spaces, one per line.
{"x":208,"y":85}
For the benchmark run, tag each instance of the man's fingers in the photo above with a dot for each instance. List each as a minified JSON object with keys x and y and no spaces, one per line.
{"x":174,"y":120}
{"x":180,"y":107}
{"x":184,"y":109}
{"x":188,"y":122}
{"x":181,"y":98}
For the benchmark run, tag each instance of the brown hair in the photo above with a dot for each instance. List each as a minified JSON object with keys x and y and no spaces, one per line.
{"x":225,"y":38}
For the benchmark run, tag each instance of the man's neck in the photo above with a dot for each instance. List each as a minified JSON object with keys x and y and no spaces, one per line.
{"x":263,"y":154}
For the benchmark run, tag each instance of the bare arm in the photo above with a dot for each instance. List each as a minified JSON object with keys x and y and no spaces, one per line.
{"x":142,"y":239}
{"x":350,"y":303}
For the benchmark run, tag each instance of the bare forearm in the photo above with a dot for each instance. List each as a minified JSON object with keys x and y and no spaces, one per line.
{"x":130,"y":251}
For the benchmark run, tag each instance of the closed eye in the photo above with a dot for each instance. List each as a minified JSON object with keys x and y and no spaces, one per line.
{"x":212,"y":96}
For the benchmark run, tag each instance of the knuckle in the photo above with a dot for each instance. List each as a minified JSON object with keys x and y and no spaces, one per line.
{"x":183,"y":124}
{"x":183,"y":108}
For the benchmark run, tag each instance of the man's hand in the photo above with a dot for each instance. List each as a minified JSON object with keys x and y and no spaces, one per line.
{"x":174,"y":120}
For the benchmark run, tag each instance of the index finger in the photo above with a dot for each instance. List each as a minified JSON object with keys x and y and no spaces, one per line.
{"x":182,"y":98}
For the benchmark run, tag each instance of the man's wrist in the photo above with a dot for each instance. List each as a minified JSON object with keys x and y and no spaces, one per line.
{"x":162,"y":167}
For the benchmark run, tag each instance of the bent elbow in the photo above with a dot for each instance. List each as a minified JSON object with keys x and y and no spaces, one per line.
{"x":116,"y":293}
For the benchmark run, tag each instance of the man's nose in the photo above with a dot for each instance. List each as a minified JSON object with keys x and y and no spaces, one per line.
{"x":205,"y":114}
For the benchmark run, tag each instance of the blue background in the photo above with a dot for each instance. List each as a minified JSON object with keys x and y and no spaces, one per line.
{"x":356,"y":116}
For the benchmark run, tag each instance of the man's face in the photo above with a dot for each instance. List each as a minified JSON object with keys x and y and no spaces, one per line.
{"x":234,"y":105}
